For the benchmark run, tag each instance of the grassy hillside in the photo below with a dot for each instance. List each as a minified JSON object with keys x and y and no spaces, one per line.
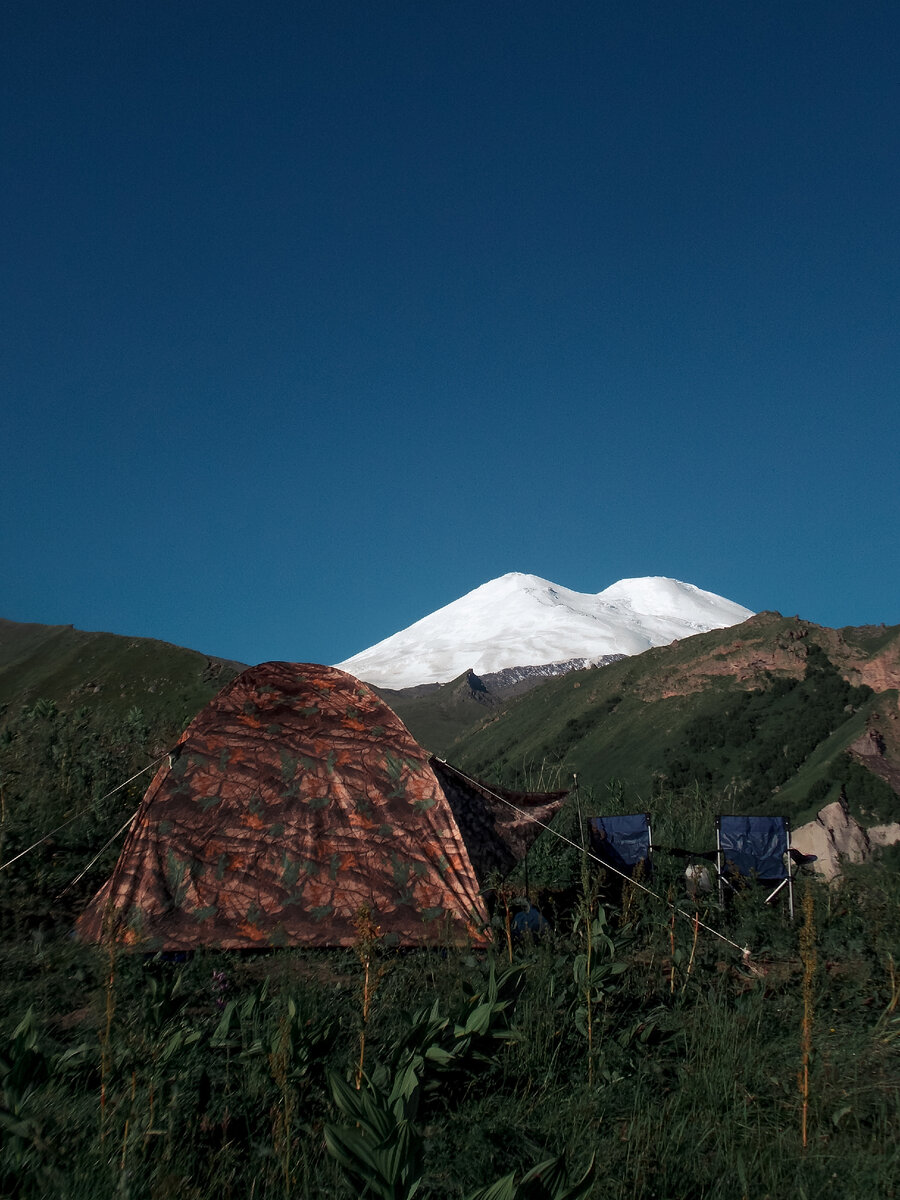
{"x":102,"y":671}
{"x":80,"y":713}
{"x":772,"y":707}
{"x":632,"y":1053}
{"x":439,"y":715}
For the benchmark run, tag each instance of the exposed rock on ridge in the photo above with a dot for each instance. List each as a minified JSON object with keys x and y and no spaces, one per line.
{"x":835,"y":837}
{"x":511,"y":677}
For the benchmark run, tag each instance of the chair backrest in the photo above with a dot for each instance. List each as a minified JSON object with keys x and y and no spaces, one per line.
{"x":754,"y":847}
{"x":622,"y":842}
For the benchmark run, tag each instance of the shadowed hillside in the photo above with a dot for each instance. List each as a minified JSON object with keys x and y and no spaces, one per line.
{"x":105,"y":671}
{"x":269,"y":1074}
{"x":80,"y":713}
{"x":773,"y":706}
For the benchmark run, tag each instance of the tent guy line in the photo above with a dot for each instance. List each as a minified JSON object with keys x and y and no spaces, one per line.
{"x":301,"y":740}
{"x":81,"y":813}
{"x":81,"y":874}
{"x":694,"y":919}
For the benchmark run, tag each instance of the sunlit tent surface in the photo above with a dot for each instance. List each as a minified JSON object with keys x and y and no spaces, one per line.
{"x":295,"y":800}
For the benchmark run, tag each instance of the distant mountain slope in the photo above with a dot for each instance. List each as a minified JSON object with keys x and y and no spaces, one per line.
{"x":520,"y":620}
{"x":82,"y":718}
{"x":104,"y":670}
{"x":773,"y":707}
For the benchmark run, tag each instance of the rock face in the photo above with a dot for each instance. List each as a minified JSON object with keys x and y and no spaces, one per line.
{"x":835,"y":836}
{"x":513,"y":677}
{"x":878,"y":749}
{"x":884,"y":835}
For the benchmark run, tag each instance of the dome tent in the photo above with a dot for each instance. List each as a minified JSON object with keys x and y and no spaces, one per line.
{"x":295,"y":799}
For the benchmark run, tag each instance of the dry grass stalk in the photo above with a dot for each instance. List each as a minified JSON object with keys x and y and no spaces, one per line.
{"x":283,"y":1113}
{"x":105,"y":1036}
{"x":895,"y":988}
{"x":808,"y":957}
{"x":690,"y":965}
{"x":368,"y":933}
{"x":504,"y":896}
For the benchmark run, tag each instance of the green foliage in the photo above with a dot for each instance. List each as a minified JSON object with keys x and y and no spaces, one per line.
{"x":759,"y":741}
{"x":595,"y":968}
{"x":24,"y":1070}
{"x":549,"y":1180}
{"x":381,"y":1150}
{"x":864,"y":793}
{"x":29,"y":1068}
{"x":471,"y":1032}
{"x":227,"y":1075}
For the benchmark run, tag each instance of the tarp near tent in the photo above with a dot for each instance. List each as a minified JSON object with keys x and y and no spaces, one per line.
{"x":295,"y":800}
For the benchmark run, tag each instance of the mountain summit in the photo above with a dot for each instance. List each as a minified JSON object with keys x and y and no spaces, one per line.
{"x":523,"y":620}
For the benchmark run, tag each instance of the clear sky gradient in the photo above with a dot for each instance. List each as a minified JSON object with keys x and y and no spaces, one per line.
{"x":317,"y":315}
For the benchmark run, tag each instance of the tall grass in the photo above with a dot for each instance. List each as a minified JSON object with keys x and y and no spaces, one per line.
{"x":216,"y":1074}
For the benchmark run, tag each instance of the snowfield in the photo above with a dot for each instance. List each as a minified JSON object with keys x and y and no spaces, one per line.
{"x":523,"y":620}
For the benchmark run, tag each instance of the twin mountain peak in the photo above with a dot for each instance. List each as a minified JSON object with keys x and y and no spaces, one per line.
{"x":520,"y":626}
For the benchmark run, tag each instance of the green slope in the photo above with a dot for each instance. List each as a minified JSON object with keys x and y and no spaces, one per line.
{"x":80,"y":714}
{"x":102,"y":671}
{"x":438,"y":715}
{"x":746,"y":714}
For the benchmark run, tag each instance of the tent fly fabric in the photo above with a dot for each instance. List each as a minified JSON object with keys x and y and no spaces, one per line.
{"x":295,"y":801}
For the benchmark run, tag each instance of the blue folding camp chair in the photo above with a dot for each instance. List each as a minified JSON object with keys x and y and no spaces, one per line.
{"x":623,"y":843}
{"x":755,"y":850}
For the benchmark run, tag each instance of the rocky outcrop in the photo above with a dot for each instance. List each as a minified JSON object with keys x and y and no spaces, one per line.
{"x":833,"y":836}
{"x":836,"y":837}
{"x":878,"y":749}
{"x":884,"y":835}
{"x":522,"y":678}
{"x":882,"y":671}
{"x":769,"y":644}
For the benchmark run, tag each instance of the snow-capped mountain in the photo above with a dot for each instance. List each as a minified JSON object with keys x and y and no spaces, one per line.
{"x":520,"y":620}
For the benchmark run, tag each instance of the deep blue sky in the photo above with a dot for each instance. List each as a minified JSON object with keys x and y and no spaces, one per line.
{"x":316,"y":316}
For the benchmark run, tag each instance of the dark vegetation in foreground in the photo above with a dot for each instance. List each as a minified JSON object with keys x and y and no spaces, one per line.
{"x":671,"y":1064}
{"x":625,"y":1053}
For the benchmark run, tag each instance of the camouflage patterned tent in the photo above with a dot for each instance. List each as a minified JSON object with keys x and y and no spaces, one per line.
{"x":294,"y":800}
